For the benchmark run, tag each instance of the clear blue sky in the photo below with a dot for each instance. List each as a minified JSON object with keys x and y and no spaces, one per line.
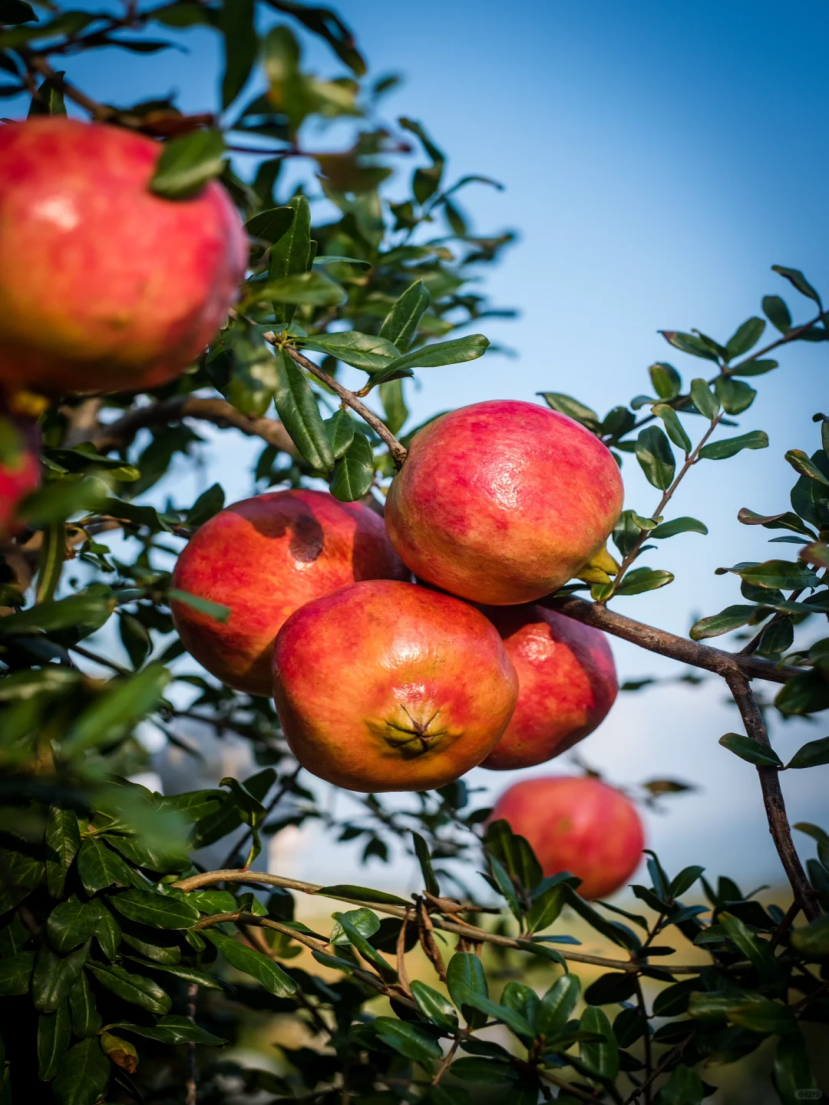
{"x":658,"y":159}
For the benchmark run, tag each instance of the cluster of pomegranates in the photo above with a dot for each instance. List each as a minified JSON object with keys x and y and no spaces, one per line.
{"x":401,"y":650}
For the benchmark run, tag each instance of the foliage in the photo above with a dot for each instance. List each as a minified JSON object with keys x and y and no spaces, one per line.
{"x":117,"y":950}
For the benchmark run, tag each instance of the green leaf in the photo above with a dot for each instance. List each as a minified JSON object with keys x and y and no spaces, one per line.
{"x":733,"y":617}
{"x":298,"y":410}
{"x":421,"y":848}
{"x":135,"y":989}
{"x":400,"y":324}
{"x":673,"y":427}
{"x":269,"y":226}
{"x":179,"y":970}
{"x":99,"y":867}
{"x":745,"y":337}
{"x":613,"y":988}
{"x":760,"y":953}
{"x":340,"y":429}
{"x":365,"y":921}
{"x":362,"y":894}
{"x":121,"y":706}
{"x":620,"y":934}
{"x":754,"y":368}
{"x":71,"y":923}
{"x":86,"y":1020}
{"x":188,"y":163}
{"x":776,"y":311}
{"x":792,"y":1070}
{"x":16,"y":11}
{"x":83,"y":1076}
{"x":457,"y":351}
{"x":366,"y":950}
{"x":15,"y":973}
{"x":354,"y":472}
{"x":57,"y":614}
{"x":812,"y":940}
{"x":802,"y":464}
{"x":787,"y":520}
{"x":254,"y":963}
{"x":63,"y":839}
{"x":465,"y":975}
{"x":812,"y":754}
{"x":673,"y":1000}
{"x":643,"y":579}
{"x":54,"y":976}
{"x":236,"y":23}
{"x":764,"y":1017}
{"x":665,"y":379}
{"x":213,"y":610}
{"x":796,"y":278}
{"x":365,"y":351}
{"x":406,"y":1039}
{"x":505,"y":886}
{"x":783,"y":575}
{"x":734,"y":395}
{"x":730,"y":446}
{"x":53,"y":1035}
{"x":210,"y":502}
{"x":751,"y":750}
{"x":684,"y":881}
{"x":172,"y":1029}
{"x":545,"y":909}
{"x":434,"y":1006}
{"x":156,"y":910}
{"x":313,"y":288}
{"x":653,"y":451}
{"x":515,"y":1021}
{"x":565,"y":404}
{"x":704,"y":400}
{"x":601,"y":1057}
{"x":678,"y":525}
{"x":291,"y":253}
{"x":394,"y":404}
{"x":689,"y":343}
{"x":684,"y":1087}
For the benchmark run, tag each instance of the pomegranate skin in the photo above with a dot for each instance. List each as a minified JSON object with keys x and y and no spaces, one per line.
{"x":263,"y":558}
{"x":104,"y":285}
{"x":19,"y":473}
{"x":567,"y":684}
{"x":502,"y":502}
{"x":387,"y":686}
{"x":580,"y":825}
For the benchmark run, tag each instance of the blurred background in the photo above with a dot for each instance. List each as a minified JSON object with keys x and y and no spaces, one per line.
{"x":656,"y":159}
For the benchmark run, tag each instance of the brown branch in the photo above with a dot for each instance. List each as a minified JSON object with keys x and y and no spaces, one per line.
{"x":674,"y":1053}
{"x":264,"y":922}
{"x":192,"y":1084}
{"x":211,"y":878}
{"x":779,"y":826}
{"x":668,"y":644}
{"x":120,"y":434}
{"x":98,"y":111}
{"x":751,"y":647}
{"x":648,"y":1043}
{"x":400,"y":951}
{"x":397,"y":451}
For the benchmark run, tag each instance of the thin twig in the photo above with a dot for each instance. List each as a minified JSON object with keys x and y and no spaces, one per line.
{"x":286,"y":785}
{"x":751,"y":647}
{"x":192,"y":1085}
{"x":674,"y":1053}
{"x":398,"y":452}
{"x":81,"y":651}
{"x":643,"y":1010}
{"x":785,"y":924}
{"x":773,"y":799}
{"x":211,"y":878}
{"x":668,"y":644}
{"x":265,"y":922}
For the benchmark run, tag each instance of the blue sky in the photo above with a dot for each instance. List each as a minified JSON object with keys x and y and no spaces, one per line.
{"x":657,"y":160}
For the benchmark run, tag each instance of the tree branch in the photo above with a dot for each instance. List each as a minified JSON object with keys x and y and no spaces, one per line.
{"x":210,"y":878}
{"x":668,"y":644}
{"x":120,"y":434}
{"x":779,"y":826}
{"x":398,"y":452}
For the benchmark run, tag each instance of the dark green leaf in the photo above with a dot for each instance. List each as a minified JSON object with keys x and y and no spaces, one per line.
{"x":734,"y":395}
{"x":812,"y":940}
{"x":813,"y":754}
{"x":792,"y":1070}
{"x":745,"y":337}
{"x":780,"y":575}
{"x":365,"y":351}
{"x":704,"y":400}
{"x":777,"y":313}
{"x":15,"y":972}
{"x":673,"y":1000}
{"x":188,"y":163}
{"x":291,"y":253}
{"x":764,"y":1017}
{"x":456,"y":351}
{"x":54,"y":976}
{"x":135,"y":989}
{"x":806,"y":467}
{"x":678,"y":525}
{"x":514,"y":852}
{"x":653,"y":451}
{"x":565,"y":404}
{"x":354,"y":471}
{"x":210,"y":609}
{"x":751,"y":750}
{"x":236,"y":23}
{"x":362,"y":894}
{"x":86,"y":1020}
{"x":684,"y":880}
{"x":613,"y":930}
{"x":172,"y":1029}
{"x":639,"y":580}
{"x":424,"y":859}
{"x":71,"y":923}
{"x":16,"y":11}
{"x":730,"y":446}
{"x":465,"y":975}
{"x":100,"y":867}
{"x":759,"y":952}
{"x":156,"y":910}
{"x":665,"y":379}
{"x":601,"y":1057}
{"x":684,"y":1087}
{"x":557,"y":1005}
{"x":407,"y":1039}
{"x":545,"y":909}
{"x":63,"y":839}
{"x":340,"y":428}
{"x":434,"y":1006}
{"x":59,"y":614}
{"x":124,"y":703}
{"x":754,"y":368}
{"x":673,"y":427}
{"x":210,"y":502}
{"x":269,"y":226}
{"x":313,"y":288}
{"x":365,"y":921}
{"x":515,"y":1021}
{"x":297,"y":407}
{"x":733,"y":617}
{"x":796,"y":277}
{"x":689,"y":343}
{"x":179,"y":970}
{"x":254,"y":963}
{"x":53,"y":1036}
{"x":83,"y":1076}
{"x":616,"y":987}
{"x":400,"y":325}
{"x":394,"y":404}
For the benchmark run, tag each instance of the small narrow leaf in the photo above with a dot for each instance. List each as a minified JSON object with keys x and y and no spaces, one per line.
{"x":722,"y":450}
{"x":751,"y":750}
{"x":298,"y":410}
{"x":188,"y":163}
